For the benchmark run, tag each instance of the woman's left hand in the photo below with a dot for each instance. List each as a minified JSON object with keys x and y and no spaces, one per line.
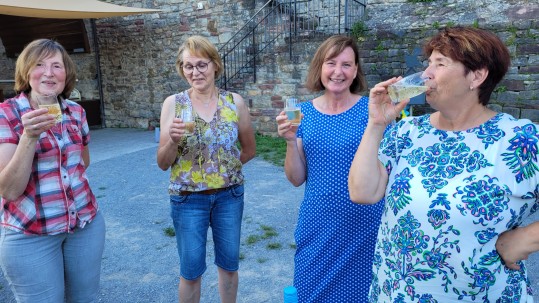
{"x":510,"y":248}
{"x":285,"y":129}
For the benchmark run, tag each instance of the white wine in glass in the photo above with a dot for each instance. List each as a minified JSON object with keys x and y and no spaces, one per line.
{"x":50,"y":102}
{"x":293,"y":111}
{"x":407,"y":87}
{"x":186,"y":115}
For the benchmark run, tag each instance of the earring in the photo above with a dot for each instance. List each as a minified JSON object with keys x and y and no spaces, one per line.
{"x":471,"y":87}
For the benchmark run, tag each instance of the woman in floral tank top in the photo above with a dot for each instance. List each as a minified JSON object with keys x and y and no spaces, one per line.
{"x":206,"y":180}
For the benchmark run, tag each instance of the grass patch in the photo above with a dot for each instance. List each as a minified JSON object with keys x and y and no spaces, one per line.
{"x":242,"y":256}
{"x":274,"y":246}
{"x":262,"y":260}
{"x":271,"y":149}
{"x":269,"y":232}
{"x":169,"y":231}
{"x":252,"y":239}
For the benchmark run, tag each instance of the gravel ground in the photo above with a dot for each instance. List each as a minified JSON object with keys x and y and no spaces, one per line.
{"x":140,"y":262}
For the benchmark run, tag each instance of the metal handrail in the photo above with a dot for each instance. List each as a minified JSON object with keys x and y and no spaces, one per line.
{"x":289,"y":19}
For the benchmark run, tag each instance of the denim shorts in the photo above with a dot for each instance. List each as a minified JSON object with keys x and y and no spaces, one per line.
{"x":192,"y":215}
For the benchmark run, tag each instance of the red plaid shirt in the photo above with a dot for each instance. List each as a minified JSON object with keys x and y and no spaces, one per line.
{"x":57,"y":198}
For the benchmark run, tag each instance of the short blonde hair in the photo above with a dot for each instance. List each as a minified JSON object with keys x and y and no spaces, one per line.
{"x":330,"y":49}
{"x":202,"y":47}
{"x":36,"y":51}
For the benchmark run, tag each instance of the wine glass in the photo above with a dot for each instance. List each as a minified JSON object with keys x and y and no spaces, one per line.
{"x":50,"y":102}
{"x":186,"y":114}
{"x":293,"y":111}
{"x":407,"y":87}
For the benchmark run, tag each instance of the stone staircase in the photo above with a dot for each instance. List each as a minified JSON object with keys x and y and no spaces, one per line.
{"x":266,"y":61}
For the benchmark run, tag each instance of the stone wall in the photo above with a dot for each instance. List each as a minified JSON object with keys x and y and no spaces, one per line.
{"x":137,"y":53}
{"x":390,"y":39}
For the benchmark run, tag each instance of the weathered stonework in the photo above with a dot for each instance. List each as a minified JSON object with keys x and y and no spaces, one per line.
{"x":137,"y":53}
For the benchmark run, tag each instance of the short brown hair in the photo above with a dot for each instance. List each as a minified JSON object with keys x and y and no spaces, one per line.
{"x":475,"y":48}
{"x":330,"y":49}
{"x":36,"y":51}
{"x":202,"y":47}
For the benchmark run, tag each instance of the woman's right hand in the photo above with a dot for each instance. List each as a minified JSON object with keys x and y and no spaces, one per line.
{"x":382,"y":111}
{"x":36,"y":122}
{"x":285,"y":129}
{"x":177,"y":130}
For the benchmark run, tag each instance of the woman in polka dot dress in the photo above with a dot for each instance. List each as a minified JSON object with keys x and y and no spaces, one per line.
{"x":335,"y":237}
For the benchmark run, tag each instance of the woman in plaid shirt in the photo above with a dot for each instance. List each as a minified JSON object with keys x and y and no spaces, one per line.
{"x":51,"y":233}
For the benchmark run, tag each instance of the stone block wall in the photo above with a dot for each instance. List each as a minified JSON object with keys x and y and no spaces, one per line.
{"x":389,"y":39}
{"x":137,"y":53}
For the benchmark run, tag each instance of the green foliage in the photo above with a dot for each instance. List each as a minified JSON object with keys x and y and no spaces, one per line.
{"x":500,"y":89}
{"x":274,"y":245}
{"x":513,"y":30}
{"x":437,"y":25}
{"x":271,"y":149}
{"x":359,"y":30}
{"x":169,"y":231}
{"x":269,"y":232}
{"x":379,"y":48}
{"x":476,"y":23}
{"x":531,"y":34}
{"x":252,"y":239}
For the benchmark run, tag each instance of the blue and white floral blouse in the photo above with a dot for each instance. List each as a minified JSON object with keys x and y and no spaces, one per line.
{"x":449,"y":196}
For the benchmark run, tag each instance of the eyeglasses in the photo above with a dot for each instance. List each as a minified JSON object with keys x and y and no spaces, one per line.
{"x":201,"y":67}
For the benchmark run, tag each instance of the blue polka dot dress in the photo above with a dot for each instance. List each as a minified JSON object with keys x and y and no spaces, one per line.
{"x":335,"y":237}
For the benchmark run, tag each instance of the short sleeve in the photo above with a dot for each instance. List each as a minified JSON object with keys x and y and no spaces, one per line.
{"x":7,"y":120}
{"x":299,"y":133}
{"x":85,"y":129}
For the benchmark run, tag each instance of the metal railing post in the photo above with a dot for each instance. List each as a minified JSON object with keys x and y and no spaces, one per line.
{"x":268,"y":25}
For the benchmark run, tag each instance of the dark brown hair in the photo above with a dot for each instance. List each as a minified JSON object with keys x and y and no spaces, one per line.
{"x":330,"y":49}
{"x":201,"y":47}
{"x":475,"y":48}
{"x":36,"y":51}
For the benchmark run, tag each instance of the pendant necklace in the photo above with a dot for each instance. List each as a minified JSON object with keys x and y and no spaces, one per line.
{"x":206,"y":104}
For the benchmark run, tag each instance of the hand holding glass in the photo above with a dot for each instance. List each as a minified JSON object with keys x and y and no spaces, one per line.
{"x":186,"y":114}
{"x":407,"y":87}
{"x":50,"y":102}
{"x":293,"y":111}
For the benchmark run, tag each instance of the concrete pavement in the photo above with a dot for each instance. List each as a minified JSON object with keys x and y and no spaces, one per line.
{"x":140,"y":262}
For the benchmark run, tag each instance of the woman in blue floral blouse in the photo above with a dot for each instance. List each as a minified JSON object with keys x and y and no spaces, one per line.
{"x":453,"y":181}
